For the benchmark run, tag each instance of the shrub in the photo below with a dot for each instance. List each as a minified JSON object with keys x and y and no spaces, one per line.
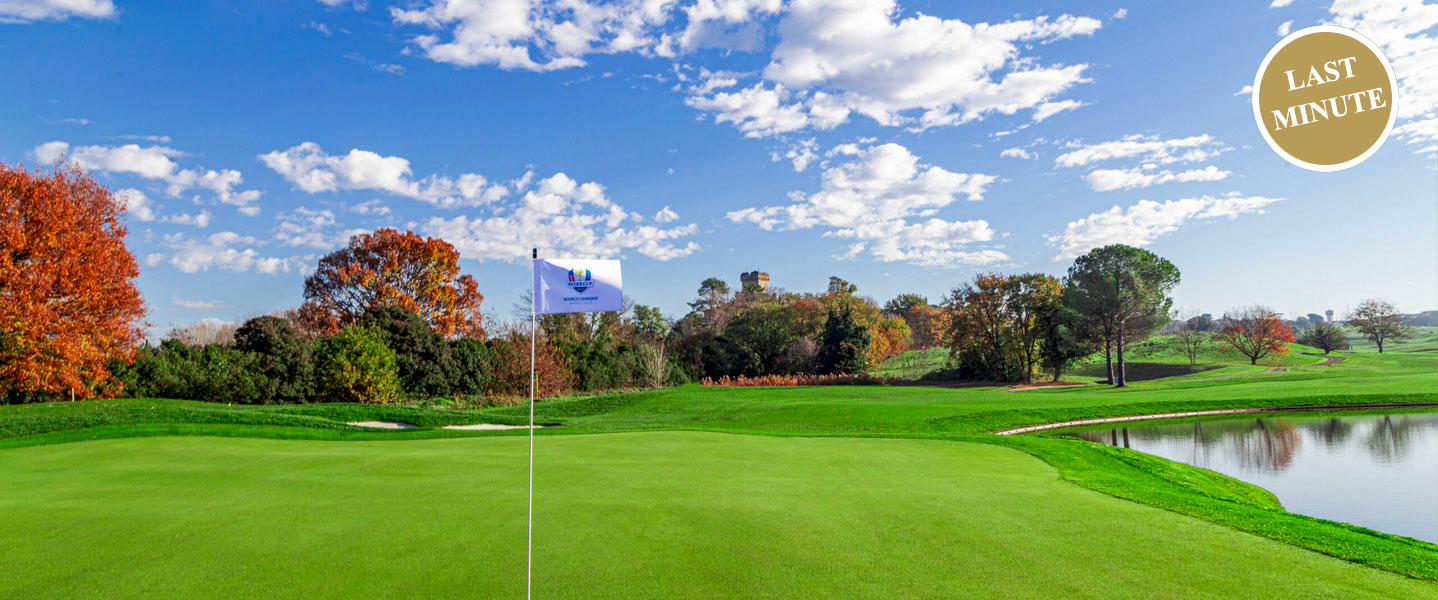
{"x":210,"y":373}
{"x":796,"y":380}
{"x":355,"y":365}
{"x":510,"y":368}
{"x":422,"y":355}
{"x":471,"y":373}
{"x":281,"y":355}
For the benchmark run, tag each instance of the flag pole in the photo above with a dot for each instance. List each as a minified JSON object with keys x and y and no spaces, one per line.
{"x":529,"y":552}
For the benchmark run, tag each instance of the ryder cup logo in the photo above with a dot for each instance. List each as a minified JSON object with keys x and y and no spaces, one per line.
{"x":580,"y":280}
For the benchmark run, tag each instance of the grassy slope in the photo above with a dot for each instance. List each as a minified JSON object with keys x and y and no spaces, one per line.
{"x":676,"y":514}
{"x":887,"y":412}
{"x":1425,"y":340}
{"x":1159,"y":357}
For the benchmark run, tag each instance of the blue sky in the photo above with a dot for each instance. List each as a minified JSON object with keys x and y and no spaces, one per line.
{"x":903,"y":146}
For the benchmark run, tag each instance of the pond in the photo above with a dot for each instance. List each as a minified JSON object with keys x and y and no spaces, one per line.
{"x":1375,"y":470}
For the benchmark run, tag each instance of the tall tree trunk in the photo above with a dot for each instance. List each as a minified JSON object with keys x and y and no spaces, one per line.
{"x":1108,"y":358}
{"x":1122,"y":376}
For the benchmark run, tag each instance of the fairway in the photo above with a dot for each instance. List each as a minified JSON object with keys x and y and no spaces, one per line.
{"x":634,"y":515}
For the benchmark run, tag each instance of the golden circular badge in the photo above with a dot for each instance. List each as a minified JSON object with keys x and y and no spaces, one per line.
{"x":1325,"y":98}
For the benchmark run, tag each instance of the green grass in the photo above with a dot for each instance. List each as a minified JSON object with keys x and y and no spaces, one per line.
{"x":913,"y":364}
{"x":1424,"y":340}
{"x":653,"y":515}
{"x":1157,"y":358}
{"x":652,"y":488}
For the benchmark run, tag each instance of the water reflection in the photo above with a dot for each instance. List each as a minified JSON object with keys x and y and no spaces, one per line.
{"x":1390,"y":440}
{"x":1380,"y":471}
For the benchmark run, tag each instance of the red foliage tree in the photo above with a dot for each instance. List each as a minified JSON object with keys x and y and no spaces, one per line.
{"x":389,"y":268}
{"x":68,"y":302}
{"x":1255,"y":332}
{"x":510,"y":367}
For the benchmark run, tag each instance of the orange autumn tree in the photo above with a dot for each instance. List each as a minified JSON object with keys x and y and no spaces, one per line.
{"x":1255,"y":332}
{"x":389,"y":268}
{"x":68,"y":302}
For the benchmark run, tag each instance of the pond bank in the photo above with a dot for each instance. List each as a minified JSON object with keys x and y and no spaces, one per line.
{"x":1205,"y":413}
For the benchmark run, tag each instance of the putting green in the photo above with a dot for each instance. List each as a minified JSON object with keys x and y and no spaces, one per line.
{"x":644,"y":515}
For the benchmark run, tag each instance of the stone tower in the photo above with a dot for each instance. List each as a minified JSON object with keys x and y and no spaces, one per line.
{"x":758,"y":278}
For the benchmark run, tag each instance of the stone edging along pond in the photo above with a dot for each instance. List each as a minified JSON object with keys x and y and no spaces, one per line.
{"x":1204,"y":413}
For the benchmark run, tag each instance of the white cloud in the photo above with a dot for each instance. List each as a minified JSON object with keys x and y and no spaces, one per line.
{"x":137,"y":204}
{"x":561,"y":216}
{"x":54,"y":10}
{"x":1244,"y":91}
{"x":155,"y":163}
{"x":761,"y":111}
{"x":727,"y":24}
{"x":1404,"y":30}
{"x":1146,"y":221}
{"x":201,"y":219}
{"x":1049,"y":109}
{"x":199,"y":304}
{"x":1103,"y":180}
{"x":225,"y":251}
{"x":1280,"y":3}
{"x":312,"y":228}
{"x":1285,"y":28}
{"x":532,"y":35}
{"x":163,"y":139}
{"x":1120,"y":13}
{"x":1148,"y":148}
{"x":801,"y":153}
{"x":1017,"y":153}
{"x":1424,"y":131}
{"x":838,"y":57}
{"x":877,"y":198}
{"x":666,"y":215}
{"x":548,"y":35}
{"x":370,"y":207}
{"x":310,"y":169}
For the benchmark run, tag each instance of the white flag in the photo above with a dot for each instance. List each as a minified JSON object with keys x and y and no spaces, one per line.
{"x":568,"y":285}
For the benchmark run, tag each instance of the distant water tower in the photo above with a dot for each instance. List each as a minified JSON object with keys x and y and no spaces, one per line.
{"x":1329,"y":313}
{"x":758,"y":278}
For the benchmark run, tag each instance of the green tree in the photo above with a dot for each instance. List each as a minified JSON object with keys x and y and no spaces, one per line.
{"x":1324,"y":336}
{"x":421,"y":354}
{"x":649,"y":322}
{"x":845,"y":345}
{"x":901,"y":304}
{"x":472,"y":372}
{"x":1380,"y":322}
{"x":712,"y":305}
{"x":1029,"y":298}
{"x":281,"y":355}
{"x":1063,"y":340}
{"x":1124,"y":292}
{"x":840,"y":287}
{"x":765,"y":332}
{"x":355,"y":365}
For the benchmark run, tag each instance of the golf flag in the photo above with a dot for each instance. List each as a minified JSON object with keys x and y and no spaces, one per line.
{"x":568,"y":285}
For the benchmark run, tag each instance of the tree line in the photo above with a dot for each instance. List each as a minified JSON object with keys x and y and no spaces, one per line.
{"x":390,"y":317}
